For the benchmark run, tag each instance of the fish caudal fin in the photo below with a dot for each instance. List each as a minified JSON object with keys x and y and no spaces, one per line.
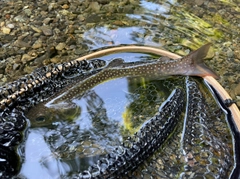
{"x":200,"y":69}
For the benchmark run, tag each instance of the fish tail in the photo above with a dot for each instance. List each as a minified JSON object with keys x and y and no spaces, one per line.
{"x":199,"y":67}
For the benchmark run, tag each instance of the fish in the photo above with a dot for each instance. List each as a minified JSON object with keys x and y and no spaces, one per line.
{"x":44,"y":82}
{"x":190,"y":65}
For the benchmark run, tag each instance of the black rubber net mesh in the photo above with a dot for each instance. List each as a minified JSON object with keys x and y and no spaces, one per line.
{"x":201,"y":146}
{"x":173,"y":128}
{"x":18,"y":96}
{"x":197,"y":145}
{"x":68,"y":140}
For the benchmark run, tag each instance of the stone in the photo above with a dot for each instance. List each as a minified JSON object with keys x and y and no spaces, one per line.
{"x":6,"y":30}
{"x":37,"y":44}
{"x":51,"y":6}
{"x":20,"y":43}
{"x":237,"y":90}
{"x":10,"y":26}
{"x":64,"y":12}
{"x":46,"y":30}
{"x":36,"y":29}
{"x":94,"y":6}
{"x":65,"y":6}
{"x":25,"y":58}
{"x":47,"y":20}
{"x":15,"y":66}
{"x":28,"y":12}
{"x":19,"y":18}
{"x":60,"y":46}
{"x":55,"y":60}
{"x":199,"y":2}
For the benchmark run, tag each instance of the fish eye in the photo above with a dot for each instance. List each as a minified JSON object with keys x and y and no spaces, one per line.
{"x":40,"y":119}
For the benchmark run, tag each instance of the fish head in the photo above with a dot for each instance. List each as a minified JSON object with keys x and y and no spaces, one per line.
{"x":44,"y":116}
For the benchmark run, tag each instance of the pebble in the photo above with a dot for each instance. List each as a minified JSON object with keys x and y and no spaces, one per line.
{"x":94,"y":6}
{"x":46,"y":30}
{"x":37,"y":44}
{"x":6,"y":30}
{"x":230,"y":53}
{"x":20,"y":43}
{"x":65,"y":6}
{"x":28,"y":69}
{"x":36,"y":29}
{"x":237,"y":90}
{"x":4,"y":79}
{"x":47,"y":20}
{"x":64,"y":12}
{"x":19,"y":18}
{"x":55,"y":60}
{"x":60,"y":46}
{"x":81,"y":17}
{"x":25,"y":58}
{"x":199,"y":2}
{"x":15,"y":66}
{"x":28,"y":12}
{"x":51,"y":6}
{"x":10,"y":26}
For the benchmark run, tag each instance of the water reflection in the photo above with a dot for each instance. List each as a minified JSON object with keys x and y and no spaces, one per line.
{"x":156,"y":8}
{"x":108,"y":37}
{"x":67,"y":147}
{"x":175,"y":25}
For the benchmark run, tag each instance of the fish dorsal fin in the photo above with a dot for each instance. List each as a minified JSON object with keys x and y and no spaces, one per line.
{"x":200,"y":69}
{"x":165,"y":59}
{"x":199,"y":54}
{"x":115,"y":62}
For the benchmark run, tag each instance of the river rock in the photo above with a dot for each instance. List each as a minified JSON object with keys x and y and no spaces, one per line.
{"x":94,"y":6}
{"x":37,"y":44}
{"x":36,"y":29}
{"x":25,"y":58}
{"x":15,"y":66}
{"x":237,"y":90}
{"x":60,"y":46}
{"x":6,"y":30}
{"x":46,"y":30}
{"x":10,"y":26}
{"x":21,"y":43}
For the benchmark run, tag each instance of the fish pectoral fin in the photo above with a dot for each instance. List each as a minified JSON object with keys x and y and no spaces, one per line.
{"x":115,"y":62}
{"x":199,"y":67}
{"x":165,"y":59}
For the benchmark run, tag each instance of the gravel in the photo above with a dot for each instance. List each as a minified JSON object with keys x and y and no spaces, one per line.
{"x":28,"y":29}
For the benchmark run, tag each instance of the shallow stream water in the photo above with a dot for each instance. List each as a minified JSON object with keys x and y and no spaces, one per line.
{"x":37,"y":33}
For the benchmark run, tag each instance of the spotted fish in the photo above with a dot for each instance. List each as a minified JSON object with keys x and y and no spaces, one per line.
{"x":192,"y":64}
